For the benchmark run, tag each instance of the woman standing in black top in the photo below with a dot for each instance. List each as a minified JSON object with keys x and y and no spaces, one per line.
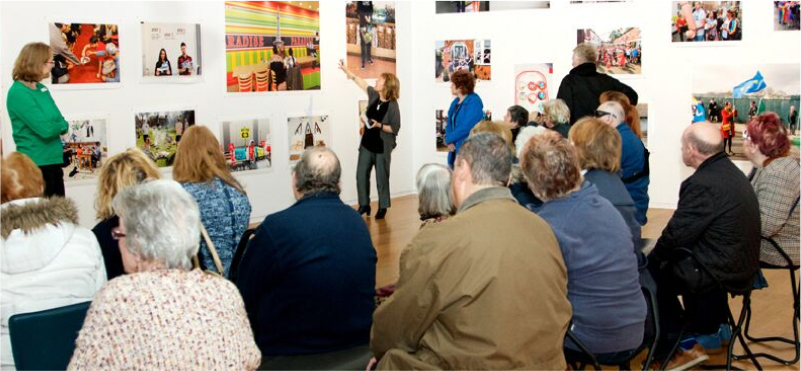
{"x":379,"y":134}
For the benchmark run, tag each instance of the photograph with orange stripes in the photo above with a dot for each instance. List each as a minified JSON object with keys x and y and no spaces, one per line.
{"x":272,"y":46}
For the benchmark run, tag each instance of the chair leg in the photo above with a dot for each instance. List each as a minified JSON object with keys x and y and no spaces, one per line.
{"x":738,"y":334}
{"x":794,"y":341}
{"x":673,"y":349}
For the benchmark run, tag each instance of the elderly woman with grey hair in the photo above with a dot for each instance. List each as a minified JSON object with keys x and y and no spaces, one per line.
{"x":435,"y":200}
{"x":557,"y":116}
{"x":163,"y":315}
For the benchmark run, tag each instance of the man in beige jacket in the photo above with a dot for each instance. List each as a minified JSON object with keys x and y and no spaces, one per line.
{"x":486,"y":289}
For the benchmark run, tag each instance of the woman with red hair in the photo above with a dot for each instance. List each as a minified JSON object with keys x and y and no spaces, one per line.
{"x":776,"y":182}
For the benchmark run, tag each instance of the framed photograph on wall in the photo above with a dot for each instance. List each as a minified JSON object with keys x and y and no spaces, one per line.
{"x":370,"y":30}
{"x":715,"y":22}
{"x":85,"y":146}
{"x":159,"y":132}
{"x":307,"y":131}
{"x":171,"y":52}
{"x":471,"y":55}
{"x":272,"y":46}
{"x":786,"y":16}
{"x":619,"y":48}
{"x":85,"y":55}
{"x":533,"y":85}
{"x":247,"y":144}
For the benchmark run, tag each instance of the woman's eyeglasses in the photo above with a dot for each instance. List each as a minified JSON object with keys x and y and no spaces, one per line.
{"x":116,"y":234}
{"x":599,"y":114}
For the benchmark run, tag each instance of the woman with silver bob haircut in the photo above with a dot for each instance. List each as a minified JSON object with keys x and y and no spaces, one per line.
{"x":434,"y":193}
{"x":161,"y":222}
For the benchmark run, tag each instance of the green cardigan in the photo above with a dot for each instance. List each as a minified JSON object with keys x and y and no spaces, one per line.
{"x":36,"y":123}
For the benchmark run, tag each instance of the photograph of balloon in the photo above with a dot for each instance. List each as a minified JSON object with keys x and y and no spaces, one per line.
{"x":730,"y":95}
{"x":532,"y":85}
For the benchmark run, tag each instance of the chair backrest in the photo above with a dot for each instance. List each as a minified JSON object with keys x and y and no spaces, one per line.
{"x":46,"y":340}
{"x":245,"y":82}
{"x":239,"y":253}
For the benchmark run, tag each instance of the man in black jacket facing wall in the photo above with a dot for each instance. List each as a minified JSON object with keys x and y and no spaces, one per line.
{"x":718,"y":220}
{"x":582,"y":87}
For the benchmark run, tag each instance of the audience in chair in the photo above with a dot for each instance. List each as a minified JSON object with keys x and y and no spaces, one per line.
{"x":201,"y":169}
{"x":518,"y":183}
{"x":556,"y":116}
{"x":598,"y":147}
{"x":602,"y":277}
{"x":717,"y":218}
{"x":775,"y":179}
{"x":634,"y":167}
{"x":486,"y":289}
{"x":516,"y":119}
{"x":632,"y":114}
{"x":308,"y":275}
{"x":162,"y":315}
{"x":120,"y":171}
{"x":434,"y":195}
{"x":48,"y":260}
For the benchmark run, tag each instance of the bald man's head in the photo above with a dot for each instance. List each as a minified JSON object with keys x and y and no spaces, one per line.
{"x":616,"y":113}
{"x":699,"y":142}
{"x":317,"y":171}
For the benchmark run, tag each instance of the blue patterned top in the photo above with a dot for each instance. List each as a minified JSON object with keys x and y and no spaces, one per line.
{"x":225,"y":213}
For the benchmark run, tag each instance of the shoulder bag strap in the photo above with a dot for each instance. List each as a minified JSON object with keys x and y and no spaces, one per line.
{"x":212,"y":250}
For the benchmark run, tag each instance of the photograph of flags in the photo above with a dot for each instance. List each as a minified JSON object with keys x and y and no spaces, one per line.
{"x":752,"y":85}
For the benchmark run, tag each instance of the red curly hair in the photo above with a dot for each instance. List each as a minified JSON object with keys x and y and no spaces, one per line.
{"x":769,"y":135}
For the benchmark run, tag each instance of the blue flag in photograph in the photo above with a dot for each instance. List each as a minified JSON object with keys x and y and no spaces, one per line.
{"x":700,"y":112}
{"x":752,"y":85}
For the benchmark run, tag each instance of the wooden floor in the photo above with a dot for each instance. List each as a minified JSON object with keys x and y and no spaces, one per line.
{"x":772,"y":307}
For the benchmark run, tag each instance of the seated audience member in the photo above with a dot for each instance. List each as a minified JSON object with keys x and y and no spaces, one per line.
{"x":121,"y":170}
{"x":775,"y":179}
{"x":598,"y":148}
{"x":516,"y":118}
{"x":48,"y":260}
{"x":717,"y":218}
{"x":498,"y":128}
{"x":464,"y":279}
{"x":632,"y":115}
{"x":635,"y":171}
{"x":518,"y":184}
{"x":556,"y":116}
{"x":435,"y":199}
{"x":308,"y":275}
{"x":603,"y":283}
{"x":162,"y":315}
{"x":201,"y":169}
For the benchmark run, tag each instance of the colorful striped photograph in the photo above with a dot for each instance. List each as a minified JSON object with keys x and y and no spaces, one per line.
{"x":272,"y":45}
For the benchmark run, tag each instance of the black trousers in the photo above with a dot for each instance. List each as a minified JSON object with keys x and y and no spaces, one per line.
{"x":703,"y":313}
{"x":54,"y":180}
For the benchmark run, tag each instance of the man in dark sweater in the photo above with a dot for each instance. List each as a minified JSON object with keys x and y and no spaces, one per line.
{"x":308,"y":275}
{"x":582,"y":87}
{"x":718,"y":219}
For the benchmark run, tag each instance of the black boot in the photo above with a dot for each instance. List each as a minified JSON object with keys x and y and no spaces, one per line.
{"x":364,"y":210}
{"x":73,"y":172}
{"x":381,"y":213}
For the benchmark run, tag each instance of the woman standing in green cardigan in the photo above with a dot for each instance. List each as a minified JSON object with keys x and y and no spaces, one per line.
{"x":36,"y":122}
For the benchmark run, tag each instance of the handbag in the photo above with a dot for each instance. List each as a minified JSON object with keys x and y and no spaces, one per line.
{"x":213,"y":251}
{"x":726,"y":127}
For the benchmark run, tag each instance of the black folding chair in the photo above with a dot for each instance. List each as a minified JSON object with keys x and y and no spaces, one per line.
{"x":45,"y":340}
{"x":795,"y":341}
{"x":239,"y":253}
{"x":736,"y":325}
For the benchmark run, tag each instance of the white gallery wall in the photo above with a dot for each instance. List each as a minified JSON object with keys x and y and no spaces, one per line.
{"x":22,"y":22}
{"x":518,"y":37}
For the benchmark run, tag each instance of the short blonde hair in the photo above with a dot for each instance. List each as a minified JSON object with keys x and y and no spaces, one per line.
{"x":29,"y":63}
{"x":391,"y":86}
{"x":598,"y":145}
{"x":551,"y":166}
{"x":20,"y":178}
{"x":499,"y":128}
{"x":586,"y":52}
{"x":120,"y":171}
{"x":556,"y":111}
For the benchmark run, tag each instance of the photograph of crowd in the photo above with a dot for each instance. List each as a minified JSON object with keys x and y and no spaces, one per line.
{"x":707,"y":21}
{"x":84,"y":53}
{"x":486,"y":6}
{"x":171,"y":49}
{"x":247,"y":144}
{"x":532,"y":85}
{"x":272,"y":46}
{"x":731,"y":95}
{"x":85,"y":146}
{"x":370,"y":37}
{"x":158,"y":133}
{"x":786,"y":15}
{"x":307,"y":131}
{"x":619,"y":49}
{"x":472,"y":55}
